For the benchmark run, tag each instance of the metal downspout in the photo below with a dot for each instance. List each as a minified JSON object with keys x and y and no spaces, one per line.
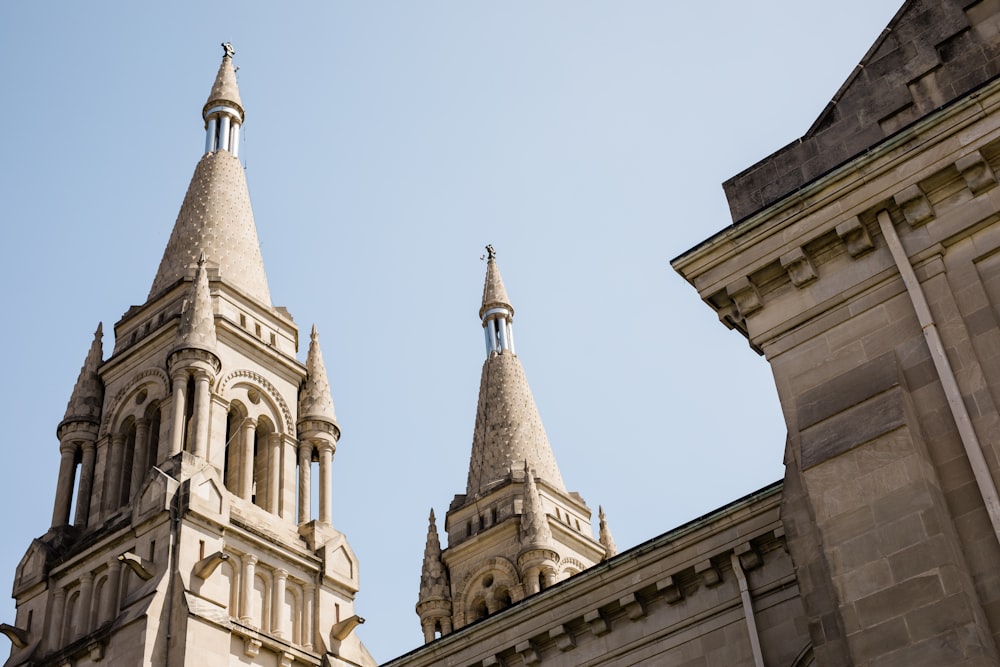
{"x":973,"y":448}
{"x":758,"y":657}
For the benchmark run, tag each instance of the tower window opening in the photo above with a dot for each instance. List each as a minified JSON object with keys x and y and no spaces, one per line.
{"x":153,"y":444}
{"x":541,"y":581}
{"x":128,"y":459}
{"x":152,"y":551}
{"x":243,"y":320}
{"x":468,"y":528}
{"x":493,"y":516}
{"x":479,"y":609}
{"x":256,"y":327}
{"x":189,"y":416}
{"x":77,"y":470}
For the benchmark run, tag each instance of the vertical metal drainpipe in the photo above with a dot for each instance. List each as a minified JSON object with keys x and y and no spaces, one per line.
{"x":758,"y":657}
{"x":973,"y":449}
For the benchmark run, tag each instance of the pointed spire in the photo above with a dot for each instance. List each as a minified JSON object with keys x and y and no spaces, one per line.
{"x":433,"y":579}
{"x":315,"y":400}
{"x":216,"y":217}
{"x":496,"y":312}
{"x":509,"y":431}
{"x":494,"y":293}
{"x":535,"y":531}
{"x":87,"y":399}
{"x":197,"y":326}
{"x":605,"y":538}
{"x":225,"y":91}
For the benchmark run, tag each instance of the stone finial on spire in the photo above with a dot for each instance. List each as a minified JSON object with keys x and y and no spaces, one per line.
{"x":315,"y":400}
{"x":535,"y":531}
{"x":197,"y":326}
{"x":87,"y":399}
{"x":605,"y":538}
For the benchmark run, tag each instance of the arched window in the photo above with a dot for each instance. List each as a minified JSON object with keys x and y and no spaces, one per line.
{"x":128,"y":460}
{"x":153,"y":443}
{"x":189,"y":416}
{"x":479,"y":610}
{"x":261,"y":458}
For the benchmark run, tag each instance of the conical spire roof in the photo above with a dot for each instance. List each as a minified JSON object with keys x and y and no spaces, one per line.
{"x":87,"y":399}
{"x":494,"y":293}
{"x":197,"y":326}
{"x":315,"y":400}
{"x":225,"y":89}
{"x":605,"y":538}
{"x":509,"y":431}
{"x":216,"y":217}
{"x":535,"y":531}
{"x":433,"y":578}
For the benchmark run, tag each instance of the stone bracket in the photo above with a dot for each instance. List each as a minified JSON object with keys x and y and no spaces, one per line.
{"x":528,"y":654}
{"x":632,"y":606}
{"x":916,"y":207}
{"x":855,"y":236}
{"x":799,"y":267}
{"x":563,"y":639}
{"x":976,"y":172}
{"x":598,"y":623}
{"x":745,"y":295}
{"x":251,"y":647}
{"x":749,"y":558}
{"x":669,"y":589}
{"x":709,"y":573}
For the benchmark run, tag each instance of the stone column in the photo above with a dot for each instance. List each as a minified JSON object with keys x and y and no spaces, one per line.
{"x":86,"y":484}
{"x":56,"y":617}
{"x":202,"y":413}
{"x":326,"y":483}
{"x":249,"y":570}
{"x":109,"y":605}
{"x":82,"y":620}
{"x":277,"y":602}
{"x":428,"y":627}
{"x":113,"y":474}
{"x":64,"y":485}
{"x":246,"y":459}
{"x":140,"y":455}
{"x":274,"y":473}
{"x":180,"y":406}
{"x":289,"y":484}
{"x":305,"y":482}
{"x":445,"y":625}
{"x":308,"y":616}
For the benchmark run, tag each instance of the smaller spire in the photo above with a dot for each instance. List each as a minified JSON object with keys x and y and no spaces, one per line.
{"x":197,"y":326}
{"x":87,"y":399}
{"x":494,"y":293}
{"x":223,"y":112}
{"x":605,"y":538}
{"x":535,"y":531}
{"x":315,"y":400}
{"x":496,"y":312}
{"x":433,"y":579}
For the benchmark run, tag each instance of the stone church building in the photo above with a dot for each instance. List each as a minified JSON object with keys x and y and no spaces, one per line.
{"x":863,"y":262}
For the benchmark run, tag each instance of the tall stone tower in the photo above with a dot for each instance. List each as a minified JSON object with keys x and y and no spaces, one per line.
{"x":182,"y":531}
{"x":516,"y":529}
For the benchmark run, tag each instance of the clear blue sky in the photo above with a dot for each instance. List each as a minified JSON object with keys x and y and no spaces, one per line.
{"x":385,"y":144}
